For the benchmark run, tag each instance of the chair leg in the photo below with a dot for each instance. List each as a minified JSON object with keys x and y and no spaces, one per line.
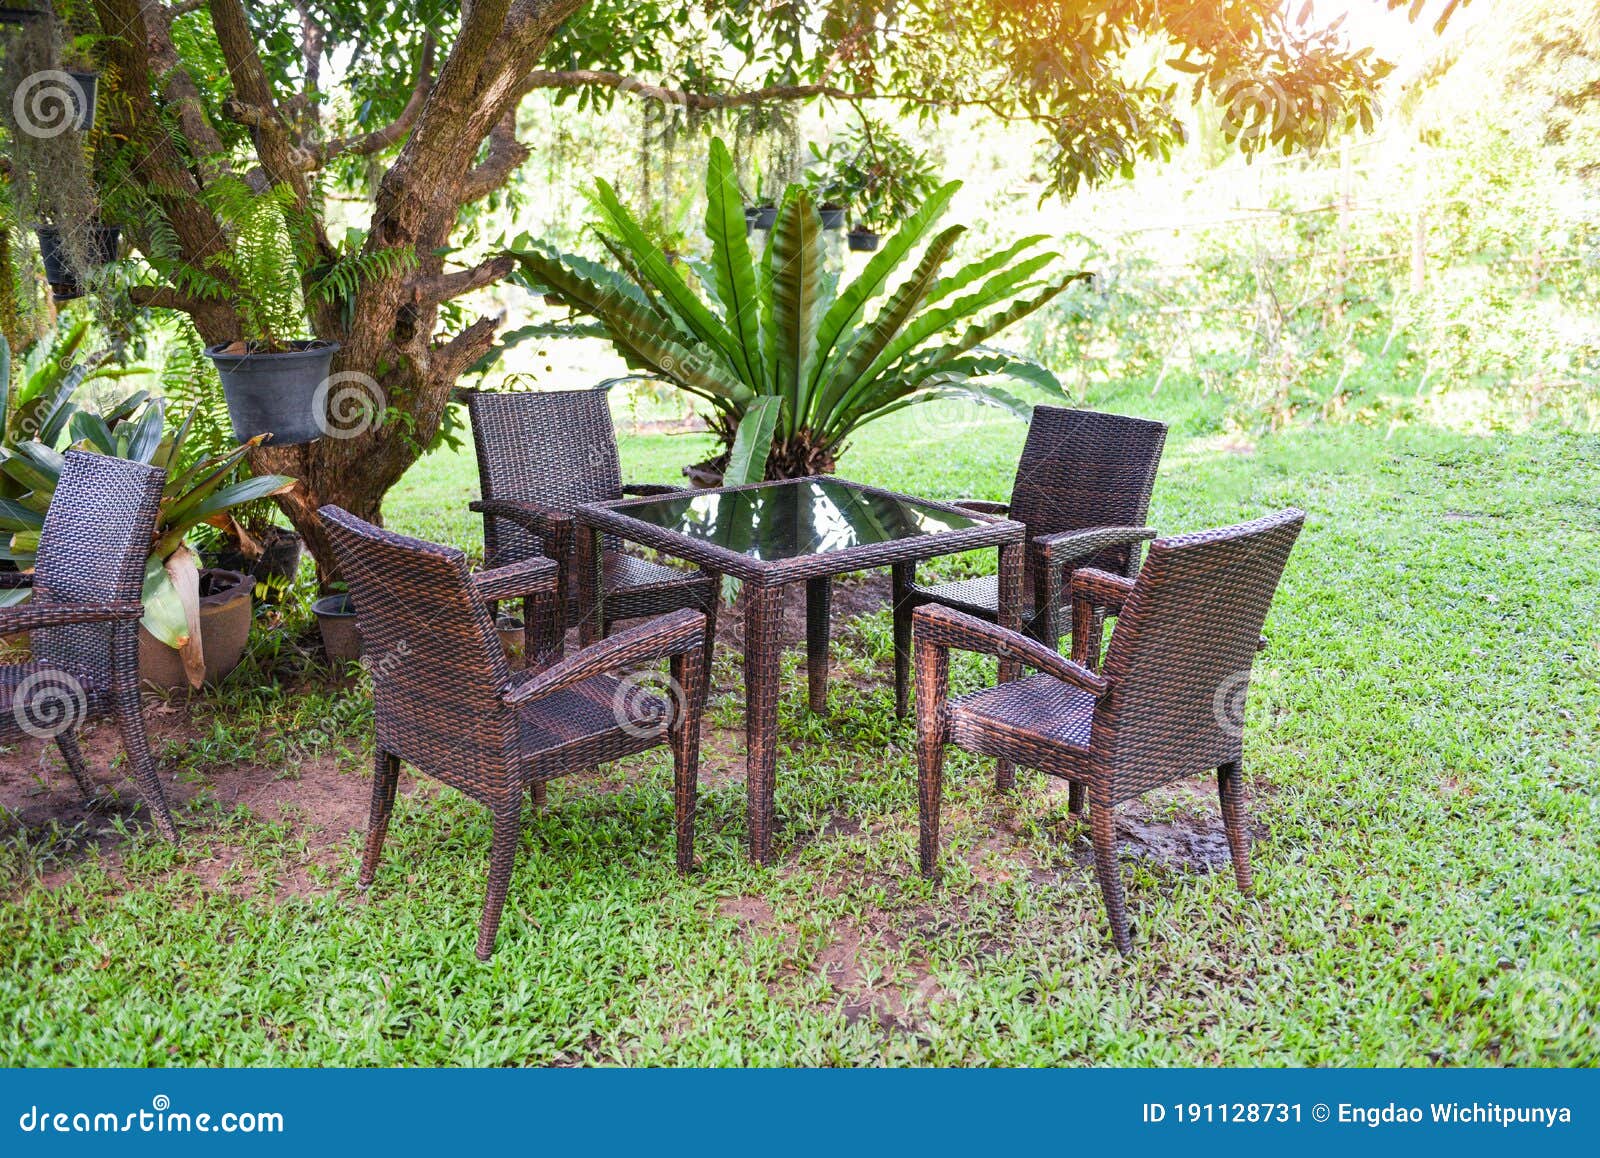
{"x":502,"y":858}
{"x":930,"y":794}
{"x":933,"y":689}
{"x":538,"y":791}
{"x":904,"y":575}
{"x":67,"y":741}
{"x":1230,"y":788}
{"x":131,"y":722}
{"x":1103,"y":828}
{"x":1075,"y":798}
{"x":385,"y":780}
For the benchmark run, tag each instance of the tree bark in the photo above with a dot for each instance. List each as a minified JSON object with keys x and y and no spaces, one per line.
{"x":389,"y":347}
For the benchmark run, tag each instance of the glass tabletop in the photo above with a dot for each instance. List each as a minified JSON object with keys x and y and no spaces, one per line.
{"x":791,"y":519}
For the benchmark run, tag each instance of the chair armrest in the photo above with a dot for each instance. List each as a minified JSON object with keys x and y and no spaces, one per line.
{"x":535,"y":517}
{"x":644,"y":489}
{"x":675,"y":634}
{"x":515,"y":580}
{"x":944,"y":627}
{"x":1101,"y":588}
{"x":982,"y":506}
{"x":15,"y":580}
{"x":1064,"y":547}
{"x":37,"y":616}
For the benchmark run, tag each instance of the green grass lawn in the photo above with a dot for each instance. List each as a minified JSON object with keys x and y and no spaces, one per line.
{"x":1422,"y":759}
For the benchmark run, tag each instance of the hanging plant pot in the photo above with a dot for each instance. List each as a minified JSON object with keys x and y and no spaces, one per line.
{"x":832,"y":216}
{"x":750,"y":214}
{"x":336,"y":619}
{"x":224,"y":630}
{"x":278,"y":393}
{"x":863,"y":240}
{"x":102,"y":242}
{"x":87,"y":85}
{"x":766,"y":216}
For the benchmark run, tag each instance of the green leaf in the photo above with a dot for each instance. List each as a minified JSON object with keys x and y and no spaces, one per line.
{"x":752,"y":443}
{"x":164,"y":616}
{"x":733,"y":269}
{"x":848,"y":307}
{"x":796,"y":249}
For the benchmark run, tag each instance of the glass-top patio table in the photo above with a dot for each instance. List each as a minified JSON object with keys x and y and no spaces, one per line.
{"x":771,"y":534}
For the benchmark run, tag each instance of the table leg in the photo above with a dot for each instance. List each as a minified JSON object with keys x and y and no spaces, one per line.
{"x":591,"y":597}
{"x":762,"y":659}
{"x":819,"y":603}
{"x":904,"y":575}
{"x":1010,"y":616}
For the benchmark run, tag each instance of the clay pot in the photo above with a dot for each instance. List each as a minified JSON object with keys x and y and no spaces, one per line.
{"x":225,"y":609}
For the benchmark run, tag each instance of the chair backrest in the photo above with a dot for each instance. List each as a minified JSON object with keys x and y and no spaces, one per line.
{"x":1180,"y":654}
{"x":436,"y":663}
{"x":555,"y":447}
{"x":97,"y":535}
{"x":1080,"y":469}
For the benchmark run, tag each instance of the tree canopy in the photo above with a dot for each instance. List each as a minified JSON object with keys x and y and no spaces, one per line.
{"x":413,"y":107}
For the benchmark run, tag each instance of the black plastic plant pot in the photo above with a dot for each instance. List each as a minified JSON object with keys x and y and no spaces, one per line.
{"x":832,"y":217}
{"x":750,"y":214}
{"x":276,"y":394}
{"x":863,"y":240}
{"x":103,"y":242}
{"x":88,"y":85}
{"x":766,"y":216}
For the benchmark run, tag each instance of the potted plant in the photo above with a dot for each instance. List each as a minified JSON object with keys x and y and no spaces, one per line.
{"x":202,"y":618}
{"x":99,"y":244}
{"x":77,"y":61}
{"x":834,"y":182}
{"x":784,"y":334}
{"x":270,"y":377}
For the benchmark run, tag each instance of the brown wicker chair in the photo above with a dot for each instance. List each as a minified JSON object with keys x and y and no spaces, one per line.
{"x":1168,"y":704}
{"x":539,"y":455}
{"x":1083,"y":491}
{"x":83,"y":618}
{"x":446,"y":701}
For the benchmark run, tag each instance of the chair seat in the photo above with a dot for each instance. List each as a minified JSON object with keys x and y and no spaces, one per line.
{"x":980,"y":596}
{"x":56,"y":695}
{"x":591,"y":711}
{"x":622,"y":573}
{"x":1038,"y":708}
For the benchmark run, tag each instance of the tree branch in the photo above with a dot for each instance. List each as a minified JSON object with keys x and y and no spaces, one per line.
{"x":163,"y":297}
{"x":451,"y":359}
{"x":505,"y":155}
{"x":365,"y":144}
{"x":445,"y":286}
